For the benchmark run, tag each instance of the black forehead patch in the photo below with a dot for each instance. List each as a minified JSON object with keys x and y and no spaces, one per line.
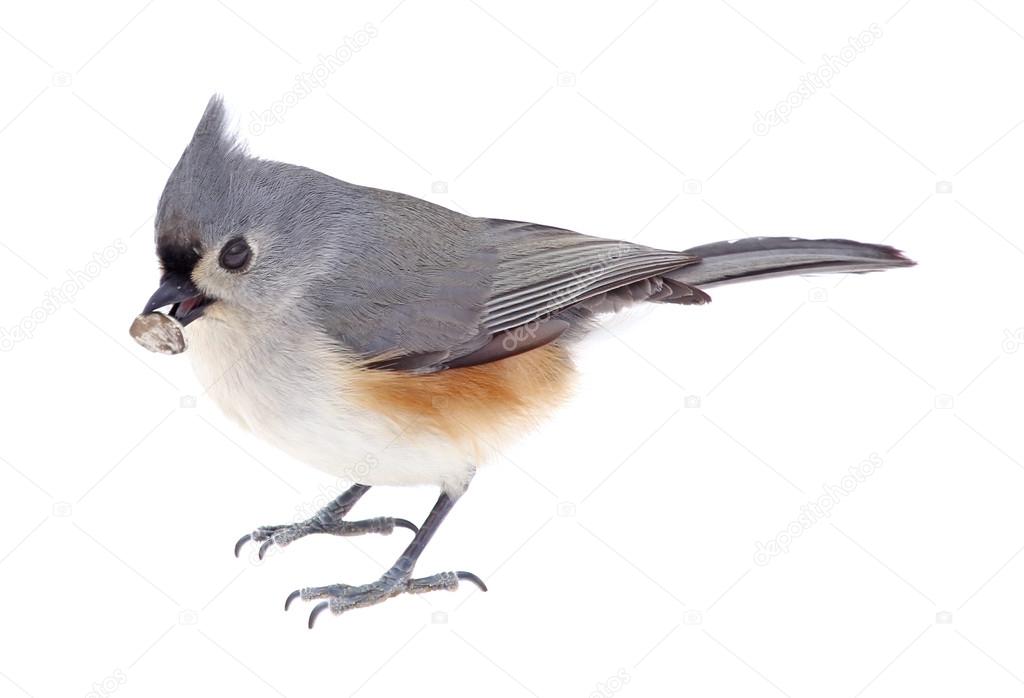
{"x":177,"y":259}
{"x":178,"y":245}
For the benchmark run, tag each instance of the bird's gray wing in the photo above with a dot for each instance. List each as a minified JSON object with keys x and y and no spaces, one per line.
{"x":550,"y":280}
{"x":544,"y":270}
{"x":439,"y":290}
{"x":406,"y":281}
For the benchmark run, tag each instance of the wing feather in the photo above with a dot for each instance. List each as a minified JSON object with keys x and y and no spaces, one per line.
{"x":451,"y":290}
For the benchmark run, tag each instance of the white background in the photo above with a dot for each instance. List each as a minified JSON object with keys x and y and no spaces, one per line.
{"x":619,"y":539}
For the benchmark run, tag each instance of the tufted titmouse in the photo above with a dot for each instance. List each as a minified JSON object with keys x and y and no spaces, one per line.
{"x":390,"y":341}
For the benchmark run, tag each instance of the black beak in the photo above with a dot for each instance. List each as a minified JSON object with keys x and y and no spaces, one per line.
{"x":178,"y":291}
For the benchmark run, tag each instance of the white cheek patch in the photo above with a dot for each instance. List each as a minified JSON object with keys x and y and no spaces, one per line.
{"x":158,"y":333}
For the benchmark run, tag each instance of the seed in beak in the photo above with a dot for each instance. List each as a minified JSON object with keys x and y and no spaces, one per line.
{"x":158,"y":333}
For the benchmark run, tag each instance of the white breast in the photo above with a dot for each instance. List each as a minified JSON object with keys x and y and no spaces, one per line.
{"x":285,"y":388}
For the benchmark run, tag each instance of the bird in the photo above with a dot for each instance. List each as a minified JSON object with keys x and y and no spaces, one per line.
{"x":390,"y":341}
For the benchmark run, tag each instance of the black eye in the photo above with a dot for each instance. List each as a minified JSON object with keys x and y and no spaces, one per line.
{"x":235,"y":254}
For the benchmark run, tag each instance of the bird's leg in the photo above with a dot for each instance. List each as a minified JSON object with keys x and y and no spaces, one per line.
{"x":330,"y":519}
{"x":397,"y":580}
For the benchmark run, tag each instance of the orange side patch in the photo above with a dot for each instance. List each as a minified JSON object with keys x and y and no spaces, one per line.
{"x":480,"y":405}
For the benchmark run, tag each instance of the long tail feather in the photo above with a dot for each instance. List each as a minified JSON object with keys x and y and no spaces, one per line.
{"x":750,"y":258}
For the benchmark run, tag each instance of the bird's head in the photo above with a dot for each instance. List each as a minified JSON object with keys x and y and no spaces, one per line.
{"x":229,"y":230}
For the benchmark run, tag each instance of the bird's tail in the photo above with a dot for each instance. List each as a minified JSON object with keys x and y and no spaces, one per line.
{"x":755,"y":258}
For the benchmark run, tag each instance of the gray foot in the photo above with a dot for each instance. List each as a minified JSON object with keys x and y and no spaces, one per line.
{"x":343,"y":597}
{"x":284,"y":534}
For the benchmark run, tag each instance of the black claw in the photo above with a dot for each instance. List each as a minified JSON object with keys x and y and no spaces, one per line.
{"x":470,"y":577}
{"x":402,"y":523}
{"x":266,"y":544}
{"x":320,"y":607}
{"x":291,"y":597}
{"x":242,"y":541}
